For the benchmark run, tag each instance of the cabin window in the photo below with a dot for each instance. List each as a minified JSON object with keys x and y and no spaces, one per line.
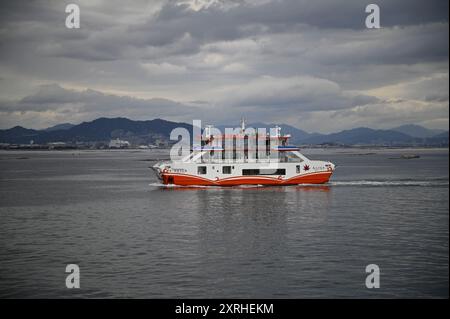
{"x":226,"y":169}
{"x":297,"y":168}
{"x":201,"y":170}
{"x":250,"y":172}
{"x":280,"y":171}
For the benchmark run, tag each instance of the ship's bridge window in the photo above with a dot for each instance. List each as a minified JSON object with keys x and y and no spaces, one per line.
{"x":226,"y":169}
{"x":292,"y":157}
{"x":201,"y":170}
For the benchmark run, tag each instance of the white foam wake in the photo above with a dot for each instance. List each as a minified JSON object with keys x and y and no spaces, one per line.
{"x":180,"y":186}
{"x":202,"y":186}
{"x":331,"y":183}
{"x":391,"y":183}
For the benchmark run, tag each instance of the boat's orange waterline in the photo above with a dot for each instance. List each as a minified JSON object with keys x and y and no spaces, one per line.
{"x":186,"y":179}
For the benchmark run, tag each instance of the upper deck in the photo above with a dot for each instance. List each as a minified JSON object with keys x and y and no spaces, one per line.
{"x":244,"y":145}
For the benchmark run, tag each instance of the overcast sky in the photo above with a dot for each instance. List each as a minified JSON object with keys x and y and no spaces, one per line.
{"x":312,"y":64}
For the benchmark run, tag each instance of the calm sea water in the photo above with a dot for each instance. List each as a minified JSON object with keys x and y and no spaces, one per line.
{"x":104,"y":211}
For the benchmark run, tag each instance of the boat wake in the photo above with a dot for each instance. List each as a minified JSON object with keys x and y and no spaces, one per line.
{"x":161,"y":185}
{"x":362,"y":183}
{"x":391,"y":183}
{"x":176,"y":186}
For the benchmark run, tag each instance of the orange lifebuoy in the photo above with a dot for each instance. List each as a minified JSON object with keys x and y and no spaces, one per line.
{"x":165,"y":170}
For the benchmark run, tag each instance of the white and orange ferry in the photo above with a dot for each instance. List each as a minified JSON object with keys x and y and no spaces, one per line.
{"x":244,"y":158}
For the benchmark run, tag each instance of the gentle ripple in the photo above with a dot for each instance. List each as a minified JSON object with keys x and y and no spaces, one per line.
{"x":133,"y":238}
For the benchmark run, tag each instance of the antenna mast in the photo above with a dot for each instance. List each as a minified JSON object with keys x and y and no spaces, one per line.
{"x":242,"y":124}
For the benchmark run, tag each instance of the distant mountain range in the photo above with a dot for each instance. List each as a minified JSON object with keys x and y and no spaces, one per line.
{"x":417,"y":135}
{"x":144,"y":132}
{"x":99,"y":130}
{"x":63,"y":126}
{"x":417,"y":131}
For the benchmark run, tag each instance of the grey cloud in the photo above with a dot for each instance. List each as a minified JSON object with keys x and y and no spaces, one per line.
{"x":258,"y":98}
{"x":294,"y":94}
{"x":390,"y":114}
{"x":405,"y":45}
{"x":282,"y":15}
{"x":176,"y":23}
{"x":104,"y":37}
{"x":269,"y":60}
{"x":93,"y":103}
{"x":434,"y":88}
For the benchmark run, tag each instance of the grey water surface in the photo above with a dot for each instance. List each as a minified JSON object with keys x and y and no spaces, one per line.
{"x":131,"y":238}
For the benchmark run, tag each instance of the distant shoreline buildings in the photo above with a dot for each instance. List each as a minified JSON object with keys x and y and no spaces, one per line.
{"x":118,"y":143}
{"x":112,"y":144}
{"x":118,"y":133}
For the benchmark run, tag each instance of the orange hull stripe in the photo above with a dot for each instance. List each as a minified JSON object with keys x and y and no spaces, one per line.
{"x":186,"y":180}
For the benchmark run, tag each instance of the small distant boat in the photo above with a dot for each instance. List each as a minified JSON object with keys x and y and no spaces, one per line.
{"x":211,"y":165}
{"x":409,"y":156}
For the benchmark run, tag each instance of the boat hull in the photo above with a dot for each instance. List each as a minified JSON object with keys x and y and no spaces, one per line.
{"x":191,"y":180}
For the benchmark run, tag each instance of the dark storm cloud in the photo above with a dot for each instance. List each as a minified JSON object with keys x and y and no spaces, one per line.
{"x":314,"y":60}
{"x":104,"y":37}
{"x":178,"y":23}
{"x":217,"y":24}
{"x":387,"y":46}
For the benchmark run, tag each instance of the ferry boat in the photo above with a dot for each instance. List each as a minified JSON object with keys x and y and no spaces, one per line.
{"x":250,"y":159}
